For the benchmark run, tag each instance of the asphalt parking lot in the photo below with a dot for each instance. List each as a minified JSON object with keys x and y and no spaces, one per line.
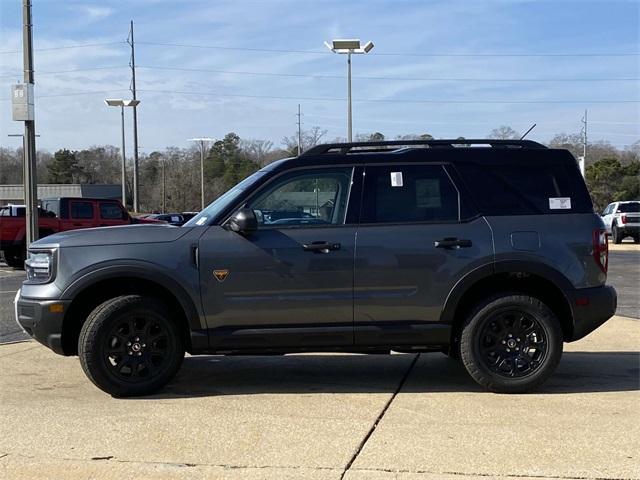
{"x":328,"y":416}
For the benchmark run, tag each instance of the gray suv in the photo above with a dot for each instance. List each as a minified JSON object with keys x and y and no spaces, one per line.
{"x":488,"y":251}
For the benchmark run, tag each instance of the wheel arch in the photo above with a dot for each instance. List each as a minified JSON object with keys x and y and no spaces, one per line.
{"x":539,"y":280}
{"x":92,"y":289}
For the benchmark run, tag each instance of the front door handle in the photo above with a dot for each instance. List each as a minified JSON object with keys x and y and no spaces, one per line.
{"x":452,"y":242}
{"x":320,"y":247}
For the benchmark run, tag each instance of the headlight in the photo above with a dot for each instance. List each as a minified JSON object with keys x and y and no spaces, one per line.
{"x":40,"y":266}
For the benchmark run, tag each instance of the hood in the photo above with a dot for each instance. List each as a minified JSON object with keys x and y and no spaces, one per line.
{"x":120,"y":235}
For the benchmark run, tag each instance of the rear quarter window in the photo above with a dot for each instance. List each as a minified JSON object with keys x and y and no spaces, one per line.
{"x":526,"y":188}
{"x":629,"y":207}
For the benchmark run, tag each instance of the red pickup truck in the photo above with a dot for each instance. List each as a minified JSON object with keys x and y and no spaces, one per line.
{"x":58,"y":215}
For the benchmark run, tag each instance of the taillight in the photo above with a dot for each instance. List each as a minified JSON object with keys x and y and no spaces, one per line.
{"x":623,"y":218}
{"x":601,"y":249}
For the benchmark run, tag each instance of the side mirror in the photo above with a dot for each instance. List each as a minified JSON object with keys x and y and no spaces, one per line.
{"x":244,"y":221}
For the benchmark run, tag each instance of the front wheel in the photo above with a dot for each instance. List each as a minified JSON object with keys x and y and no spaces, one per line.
{"x":129,"y":346}
{"x":15,"y":257}
{"x":511,"y":343}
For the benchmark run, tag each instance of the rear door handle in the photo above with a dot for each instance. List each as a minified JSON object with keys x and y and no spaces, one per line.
{"x":452,"y":242}
{"x":320,"y":247}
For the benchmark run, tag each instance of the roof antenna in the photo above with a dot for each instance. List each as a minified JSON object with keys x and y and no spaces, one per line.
{"x":527,"y":132}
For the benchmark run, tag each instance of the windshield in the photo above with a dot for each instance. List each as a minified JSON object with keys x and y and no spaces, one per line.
{"x":629,"y":207}
{"x":224,"y":200}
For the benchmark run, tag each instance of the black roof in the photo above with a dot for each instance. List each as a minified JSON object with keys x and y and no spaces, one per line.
{"x":392,"y":146}
{"x":484,"y":151}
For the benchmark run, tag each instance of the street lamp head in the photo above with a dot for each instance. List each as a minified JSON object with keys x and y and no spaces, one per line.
{"x":119,"y":102}
{"x":348,"y":46}
{"x":114,"y":102}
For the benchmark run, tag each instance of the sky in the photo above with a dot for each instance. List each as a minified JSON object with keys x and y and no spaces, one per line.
{"x":204,"y":68}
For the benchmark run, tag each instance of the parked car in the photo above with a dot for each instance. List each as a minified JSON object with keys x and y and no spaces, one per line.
{"x":489,"y":252}
{"x":171,"y":218}
{"x":57,"y":215}
{"x":188,"y":215}
{"x":622,"y":219}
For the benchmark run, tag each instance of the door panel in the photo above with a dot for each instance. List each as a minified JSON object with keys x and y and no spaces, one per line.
{"x":402,"y":280}
{"x":411,"y":249}
{"x":276,"y":294}
{"x":81,"y":214}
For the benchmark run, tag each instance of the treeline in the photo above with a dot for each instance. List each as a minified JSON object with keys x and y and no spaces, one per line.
{"x":611,"y":173}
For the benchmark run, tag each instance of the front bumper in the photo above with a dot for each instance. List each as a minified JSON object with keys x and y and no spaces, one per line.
{"x":39,"y":321}
{"x":591,"y":308}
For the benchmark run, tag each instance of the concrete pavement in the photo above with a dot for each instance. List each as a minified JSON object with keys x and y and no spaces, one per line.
{"x":326,"y":416}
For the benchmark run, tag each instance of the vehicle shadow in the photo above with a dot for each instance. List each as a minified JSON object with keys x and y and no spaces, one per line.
{"x":578,"y":372}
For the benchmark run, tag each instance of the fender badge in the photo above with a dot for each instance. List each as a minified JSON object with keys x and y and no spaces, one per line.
{"x":221,"y":275}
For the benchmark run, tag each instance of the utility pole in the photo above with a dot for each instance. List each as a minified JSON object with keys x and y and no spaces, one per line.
{"x":582,"y":161}
{"x":163,"y":186}
{"x":202,"y":141}
{"x":124,"y":162}
{"x":350,"y":126}
{"x":30,"y":178}
{"x":132,"y":64}
{"x":584,"y":138}
{"x":299,"y":131}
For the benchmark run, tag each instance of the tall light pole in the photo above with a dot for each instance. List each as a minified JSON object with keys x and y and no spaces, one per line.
{"x":349,"y":47}
{"x":23,"y":110}
{"x":202,"y":141}
{"x":118,"y":102}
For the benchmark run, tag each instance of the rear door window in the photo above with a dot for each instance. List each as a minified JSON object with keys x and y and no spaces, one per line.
{"x":81,"y":210}
{"x":409,"y":194}
{"x":111,"y":211}
{"x":629,"y":207}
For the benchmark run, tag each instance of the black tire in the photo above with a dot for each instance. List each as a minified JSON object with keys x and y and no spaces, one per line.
{"x":615,"y":235}
{"x":113,"y":347}
{"x":15,"y":258}
{"x":511,"y":343}
{"x":636,"y":239}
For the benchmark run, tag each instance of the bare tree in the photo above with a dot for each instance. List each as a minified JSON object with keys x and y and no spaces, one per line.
{"x":257,"y":150}
{"x":310,"y":138}
{"x":504,"y":132}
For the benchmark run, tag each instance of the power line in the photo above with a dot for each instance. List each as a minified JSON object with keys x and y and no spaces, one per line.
{"x":331,"y":99}
{"x":73,"y":94}
{"x":86,"y":69}
{"x":362,"y":100}
{"x":398,"y":54}
{"x":83,"y":45}
{"x":420,"y":79}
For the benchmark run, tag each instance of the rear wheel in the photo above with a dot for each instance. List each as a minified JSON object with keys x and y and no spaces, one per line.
{"x":511,"y":343}
{"x":129,"y":346}
{"x":616,"y":235}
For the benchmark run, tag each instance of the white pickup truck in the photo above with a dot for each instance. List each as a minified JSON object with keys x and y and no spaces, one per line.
{"x":622,"y":219}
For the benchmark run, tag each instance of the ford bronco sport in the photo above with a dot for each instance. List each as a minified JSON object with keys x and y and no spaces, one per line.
{"x":489,"y":251}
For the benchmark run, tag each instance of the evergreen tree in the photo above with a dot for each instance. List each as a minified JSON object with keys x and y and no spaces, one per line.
{"x":64,"y":168}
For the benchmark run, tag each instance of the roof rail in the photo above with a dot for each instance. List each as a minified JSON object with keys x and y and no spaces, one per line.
{"x":396,"y":145}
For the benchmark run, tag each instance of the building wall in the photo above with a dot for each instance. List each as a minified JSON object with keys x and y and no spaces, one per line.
{"x":15,"y":193}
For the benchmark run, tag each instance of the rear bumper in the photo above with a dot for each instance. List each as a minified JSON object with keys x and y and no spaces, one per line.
{"x":629,"y":229}
{"x":591,"y":308}
{"x":37,"y":320}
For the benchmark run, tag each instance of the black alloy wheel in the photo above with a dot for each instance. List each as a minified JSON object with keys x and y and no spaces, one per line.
{"x":512,"y":343}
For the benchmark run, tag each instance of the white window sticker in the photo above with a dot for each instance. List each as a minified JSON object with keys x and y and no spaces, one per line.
{"x":201,"y":221}
{"x":561,"y":203}
{"x":396,"y":179}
